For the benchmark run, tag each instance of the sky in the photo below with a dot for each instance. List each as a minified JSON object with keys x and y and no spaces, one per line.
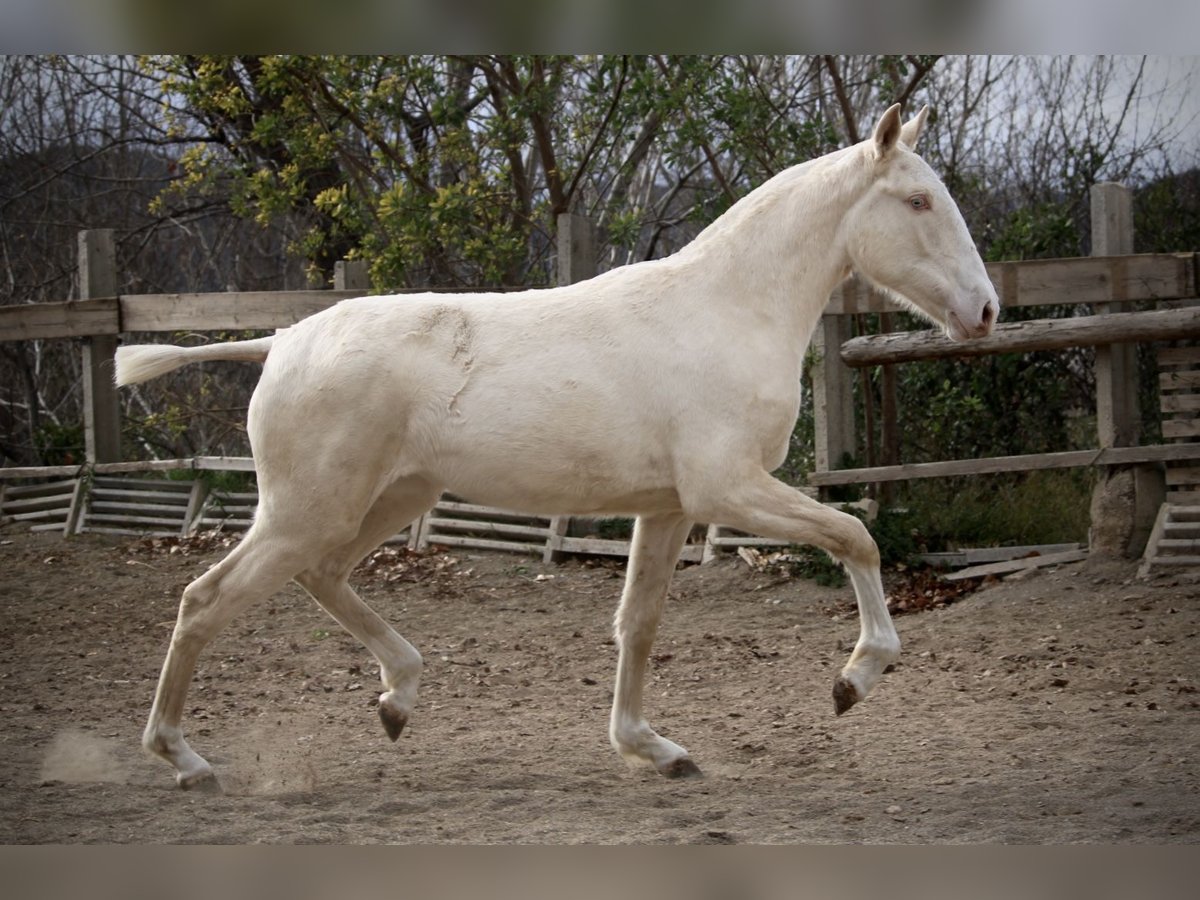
{"x":1173,"y":92}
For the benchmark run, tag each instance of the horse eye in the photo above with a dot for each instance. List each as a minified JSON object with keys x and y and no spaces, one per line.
{"x":918,"y":201}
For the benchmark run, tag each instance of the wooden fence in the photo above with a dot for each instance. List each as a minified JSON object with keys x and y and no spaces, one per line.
{"x":118,"y":498}
{"x":1109,"y":281}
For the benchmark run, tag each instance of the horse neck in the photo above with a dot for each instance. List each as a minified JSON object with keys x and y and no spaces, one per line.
{"x":779,"y":250}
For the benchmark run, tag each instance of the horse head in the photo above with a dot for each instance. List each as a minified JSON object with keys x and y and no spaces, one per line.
{"x":906,"y":236}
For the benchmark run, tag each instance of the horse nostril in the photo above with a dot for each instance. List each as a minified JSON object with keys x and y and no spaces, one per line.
{"x":988,"y":317}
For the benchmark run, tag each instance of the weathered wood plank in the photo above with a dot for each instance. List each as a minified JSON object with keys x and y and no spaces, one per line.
{"x":125,"y":519}
{"x":58,"y":514}
{"x":224,"y":463}
{"x":448,"y":540}
{"x":150,"y":484}
{"x":474,"y":509}
{"x":57,"y":500}
{"x":1043,"y":282}
{"x":1173,"y":403}
{"x":598,"y":546}
{"x":1183,"y":474}
{"x":1181,"y":428}
{"x":1162,"y":522}
{"x":1179,"y":356}
{"x":71,"y":319}
{"x":1178,"y":381}
{"x":1016,"y":565}
{"x":234,"y":311}
{"x":42,"y":487}
{"x":972,"y":556}
{"x":556,"y":531}
{"x":1068,"y":459}
{"x":1181,"y":529}
{"x":833,"y":394}
{"x":1025,"y":337}
{"x":441,"y":524}
{"x":100,"y":504}
{"x":214,"y":463}
{"x":1173,"y":546}
{"x":1175,"y":561}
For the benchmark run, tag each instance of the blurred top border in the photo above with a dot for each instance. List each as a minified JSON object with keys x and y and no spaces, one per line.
{"x":593,"y":26}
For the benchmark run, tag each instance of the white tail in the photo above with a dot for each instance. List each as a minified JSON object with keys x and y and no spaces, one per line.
{"x":140,"y":362}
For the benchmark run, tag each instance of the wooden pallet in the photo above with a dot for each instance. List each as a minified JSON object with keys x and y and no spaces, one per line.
{"x":226,"y":511}
{"x":45,"y":506}
{"x":1179,"y":400}
{"x":137,"y":506}
{"x":455,"y":523}
{"x":1175,"y":540}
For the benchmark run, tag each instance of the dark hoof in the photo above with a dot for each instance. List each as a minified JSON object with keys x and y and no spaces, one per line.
{"x":844,"y":695}
{"x":205,"y":783}
{"x":393,"y":722}
{"x":683,"y":768}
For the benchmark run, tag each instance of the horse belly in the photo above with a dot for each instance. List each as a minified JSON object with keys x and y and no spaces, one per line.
{"x":555,"y":467}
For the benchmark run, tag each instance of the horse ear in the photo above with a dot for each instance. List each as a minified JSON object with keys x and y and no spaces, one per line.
{"x":887,"y":131}
{"x":911,"y":131}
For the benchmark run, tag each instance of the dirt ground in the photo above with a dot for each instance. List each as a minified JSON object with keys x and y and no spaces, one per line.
{"x":1058,"y":707}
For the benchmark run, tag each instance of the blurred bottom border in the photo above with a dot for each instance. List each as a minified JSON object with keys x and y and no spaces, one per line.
{"x":583,"y":873}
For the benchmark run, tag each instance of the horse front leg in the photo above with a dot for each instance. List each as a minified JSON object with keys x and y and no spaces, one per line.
{"x":759,"y":504}
{"x":657,"y":541}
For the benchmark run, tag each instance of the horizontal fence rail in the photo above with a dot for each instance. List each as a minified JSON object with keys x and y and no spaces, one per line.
{"x":1026,"y":337}
{"x":1068,"y":459}
{"x":1147,"y":276}
{"x":1059,"y":282}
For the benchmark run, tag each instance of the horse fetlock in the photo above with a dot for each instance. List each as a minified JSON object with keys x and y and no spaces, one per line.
{"x":641,"y":746}
{"x":870,"y":659}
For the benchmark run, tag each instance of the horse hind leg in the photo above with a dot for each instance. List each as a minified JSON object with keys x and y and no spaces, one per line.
{"x":258,"y":567}
{"x":326,"y":581}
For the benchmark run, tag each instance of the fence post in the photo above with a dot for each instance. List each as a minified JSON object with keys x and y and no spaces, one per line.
{"x":833,"y":392}
{"x":576,"y":248}
{"x":351,"y":275}
{"x":1125,"y":500}
{"x":1117,"y":414}
{"x":97,"y":266}
{"x":576,"y":237}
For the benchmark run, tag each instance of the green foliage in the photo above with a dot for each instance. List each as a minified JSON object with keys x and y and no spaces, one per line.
{"x":1043,"y":507}
{"x":59,"y":445}
{"x":616,"y":528}
{"x":1044,"y":231}
{"x":895,"y":532}
{"x":814,"y":565}
{"x":227,"y":482}
{"x":1166,"y":214}
{"x":451,"y":170}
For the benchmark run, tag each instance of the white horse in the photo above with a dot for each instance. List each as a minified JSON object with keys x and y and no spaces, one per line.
{"x":666,"y":390}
